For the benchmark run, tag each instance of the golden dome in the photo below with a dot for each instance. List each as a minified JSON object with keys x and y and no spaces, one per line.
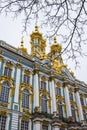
{"x":55,"y":46}
{"x":22,"y":48}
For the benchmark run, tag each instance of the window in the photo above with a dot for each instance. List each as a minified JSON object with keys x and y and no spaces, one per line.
{"x":84,"y":114}
{"x":5,"y":92}
{"x":25,"y":99}
{"x":7,"y":71}
{"x":43,"y":85}
{"x":44,"y":103}
{"x":73,"y":112}
{"x":44,"y":127}
{"x":60,"y":111}
{"x":82,"y":102}
{"x":36,"y":41}
{"x":24,"y":125}
{"x":58,"y":91}
{"x":2,"y":122}
{"x":71,"y":96}
{"x":26,"y":79}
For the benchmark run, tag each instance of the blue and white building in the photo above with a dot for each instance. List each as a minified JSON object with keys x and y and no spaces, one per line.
{"x":37,"y":90}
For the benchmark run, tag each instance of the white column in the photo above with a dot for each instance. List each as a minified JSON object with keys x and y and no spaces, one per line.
{"x":7,"y":123}
{"x":56,"y":126}
{"x":16,"y":96}
{"x":36,"y":90}
{"x":67,"y":100}
{"x":53,"y":96}
{"x":79,"y":106}
{"x":29,"y":127}
{"x":37,"y":124}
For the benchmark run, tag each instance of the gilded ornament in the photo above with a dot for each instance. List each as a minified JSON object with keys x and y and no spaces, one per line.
{"x":25,"y":117}
{"x":26,"y":71}
{"x":4,"y":112}
{"x":9,"y":64}
{"x":1,"y":58}
{"x":19,"y":65}
{"x":56,"y":65}
{"x":58,"y":84}
{"x":43,"y":78}
{"x":4,"y":104}
{"x":36,"y":72}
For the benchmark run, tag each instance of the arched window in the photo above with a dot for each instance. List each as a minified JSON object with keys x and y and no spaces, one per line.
{"x":60,"y":110}
{"x":44,"y":103}
{"x":8,"y":71}
{"x":5,"y":91}
{"x":25,"y":99}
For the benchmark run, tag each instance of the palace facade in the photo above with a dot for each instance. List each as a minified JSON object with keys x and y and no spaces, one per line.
{"x":37,"y":90}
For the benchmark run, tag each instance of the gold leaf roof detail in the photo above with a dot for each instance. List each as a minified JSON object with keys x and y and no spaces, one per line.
{"x":55,"y":46}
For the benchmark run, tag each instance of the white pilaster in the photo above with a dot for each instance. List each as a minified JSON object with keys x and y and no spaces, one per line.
{"x":16,"y":96}
{"x":14,"y":121}
{"x":67,"y":100}
{"x":36,"y":91}
{"x":37,"y":124}
{"x":7,"y":123}
{"x":79,"y":106}
{"x":29,"y":127}
{"x":56,"y":128}
{"x":53,"y":96}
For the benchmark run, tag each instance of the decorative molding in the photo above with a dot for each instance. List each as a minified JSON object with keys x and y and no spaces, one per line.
{"x":19,"y":65}
{"x":4,"y":112}
{"x":43,"y":78}
{"x":36,"y":71}
{"x":27,"y":71}
{"x":9,"y":64}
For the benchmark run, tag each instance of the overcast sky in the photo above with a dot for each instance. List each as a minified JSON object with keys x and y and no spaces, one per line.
{"x":11,"y":32}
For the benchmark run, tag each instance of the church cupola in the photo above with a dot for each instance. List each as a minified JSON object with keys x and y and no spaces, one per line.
{"x":38,"y":43}
{"x":22,"y":48}
{"x":56,"y":49}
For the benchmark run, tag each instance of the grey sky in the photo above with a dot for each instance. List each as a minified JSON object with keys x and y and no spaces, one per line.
{"x":11,"y":32}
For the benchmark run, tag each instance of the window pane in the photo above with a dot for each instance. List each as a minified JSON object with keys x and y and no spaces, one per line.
{"x":7,"y":71}
{"x":5,"y":92}
{"x":58,"y":91}
{"x":24,"y":125}
{"x":44,"y":127}
{"x":60,"y":111}
{"x":43,"y":85}
{"x":44,"y":103}
{"x":2,"y":122}
{"x":25,"y":99}
{"x":71,"y":96}
{"x":27,"y":79}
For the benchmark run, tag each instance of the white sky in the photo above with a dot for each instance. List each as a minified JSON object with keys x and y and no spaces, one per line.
{"x":11,"y":32}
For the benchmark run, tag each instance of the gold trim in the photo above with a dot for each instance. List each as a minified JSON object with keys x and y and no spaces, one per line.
{"x":4,"y":112}
{"x":27,"y":71}
{"x":1,"y":58}
{"x":9,"y":64}
{"x":19,"y":65}
{"x":36,"y":72}
{"x":43,"y":78}
{"x":25,"y":117}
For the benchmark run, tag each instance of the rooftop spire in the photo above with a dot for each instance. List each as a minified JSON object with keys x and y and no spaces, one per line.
{"x":36,"y":27}
{"x":55,"y":39}
{"x":22,"y":45}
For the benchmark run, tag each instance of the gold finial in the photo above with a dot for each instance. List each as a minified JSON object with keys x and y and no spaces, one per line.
{"x":22,"y":45}
{"x":22,"y":41}
{"x":36,"y":27}
{"x":55,"y":39}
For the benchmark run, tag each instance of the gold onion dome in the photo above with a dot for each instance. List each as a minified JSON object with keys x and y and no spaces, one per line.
{"x":22,"y":48}
{"x":55,"y":46}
